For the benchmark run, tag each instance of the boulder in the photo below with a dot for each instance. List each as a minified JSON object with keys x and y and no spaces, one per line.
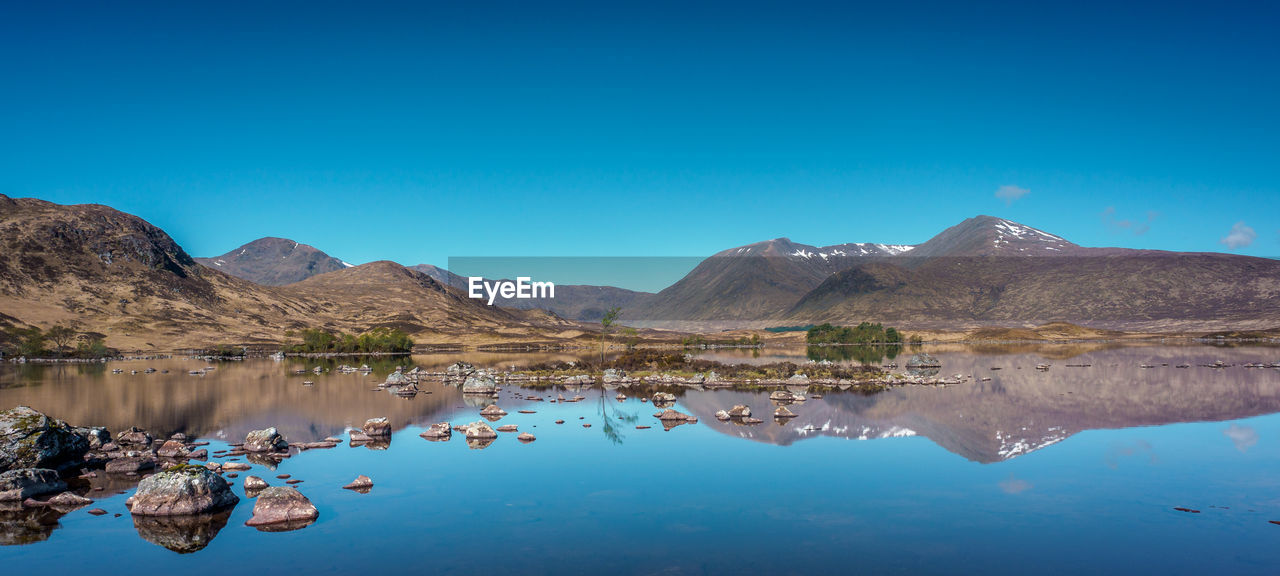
{"x":69,"y":501}
{"x":134,"y":436}
{"x":29,"y":439}
{"x":96,"y":437}
{"x":254,"y":484}
{"x":266,"y":440}
{"x":284,"y":508}
{"x":798,"y":379}
{"x":479,"y":384}
{"x":671,"y":415}
{"x":740,"y":411}
{"x":663,"y":398}
{"x":613,"y":376}
{"x":526,"y":437}
{"x":480,"y":431}
{"x":361,"y":484}
{"x":181,"y":491}
{"x":22,"y":483}
{"x":722,"y":415}
{"x":438,"y":431}
{"x":130,"y":464}
{"x":377,"y":428}
{"x":923,"y":360}
{"x":172,"y":449}
{"x":493,"y":410}
{"x":782,"y":412}
{"x":396,"y":379}
{"x":782,"y":396}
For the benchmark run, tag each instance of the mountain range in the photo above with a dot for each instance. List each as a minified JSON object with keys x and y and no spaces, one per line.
{"x":115,"y":274}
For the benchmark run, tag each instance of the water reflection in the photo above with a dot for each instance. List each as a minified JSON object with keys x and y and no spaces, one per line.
{"x":865,"y":355}
{"x":20,"y":525}
{"x":182,"y":534}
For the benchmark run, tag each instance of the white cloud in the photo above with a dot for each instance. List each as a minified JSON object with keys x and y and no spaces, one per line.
{"x":1011,"y":193}
{"x":1241,"y":235}
{"x":1244,"y":437}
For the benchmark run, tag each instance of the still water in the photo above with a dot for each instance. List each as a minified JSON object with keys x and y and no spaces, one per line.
{"x":1073,"y":470}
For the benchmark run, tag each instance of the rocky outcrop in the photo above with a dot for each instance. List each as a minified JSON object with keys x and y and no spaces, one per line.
{"x":181,"y":491}
{"x":22,"y":483}
{"x":281,"y":508}
{"x":268,"y":440}
{"x":29,"y":439}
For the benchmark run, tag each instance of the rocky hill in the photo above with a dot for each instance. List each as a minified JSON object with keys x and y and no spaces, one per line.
{"x":274,"y":262}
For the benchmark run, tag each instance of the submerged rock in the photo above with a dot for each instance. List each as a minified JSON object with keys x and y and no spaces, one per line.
{"x":282,"y":508}
{"x":266,"y":440}
{"x":179,"y":491}
{"x":22,"y":483}
{"x":29,"y":439}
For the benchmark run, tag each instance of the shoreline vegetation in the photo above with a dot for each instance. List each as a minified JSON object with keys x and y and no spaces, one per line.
{"x":61,"y":344}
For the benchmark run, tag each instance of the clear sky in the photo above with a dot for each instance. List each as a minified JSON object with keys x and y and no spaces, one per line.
{"x":427,"y":130}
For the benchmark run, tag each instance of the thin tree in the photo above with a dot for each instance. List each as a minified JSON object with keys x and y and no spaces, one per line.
{"x":606,"y":323}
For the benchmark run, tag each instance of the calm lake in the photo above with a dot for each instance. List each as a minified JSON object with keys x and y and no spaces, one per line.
{"x":1077,"y":469}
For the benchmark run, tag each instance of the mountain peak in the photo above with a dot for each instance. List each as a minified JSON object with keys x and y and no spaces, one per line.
{"x":993,"y":236}
{"x":274,"y":261}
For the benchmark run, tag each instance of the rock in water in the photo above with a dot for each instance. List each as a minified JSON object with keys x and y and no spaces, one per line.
{"x":69,"y":501}
{"x":493,"y":410}
{"x":172,"y":449}
{"x":479,"y":384}
{"x":29,"y":439}
{"x":254,"y":484}
{"x":396,"y":379}
{"x":361,"y":484}
{"x":923,"y":361}
{"x":782,"y":412}
{"x":268,"y":440}
{"x":282,"y":508}
{"x":798,"y":379}
{"x":438,"y":431}
{"x":134,"y":436}
{"x":672,"y":415}
{"x":18,"y":485}
{"x":377,"y":428}
{"x":133,"y":464}
{"x":663,"y":398}
{"x":526,"y":437}
{"x":722,"y":415}
{"x":740,"y":411}
{"x":480,"y":431}
{"x":181,"y":491}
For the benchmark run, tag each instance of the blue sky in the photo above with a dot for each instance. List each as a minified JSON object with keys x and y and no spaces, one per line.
{"x":423,"y":131}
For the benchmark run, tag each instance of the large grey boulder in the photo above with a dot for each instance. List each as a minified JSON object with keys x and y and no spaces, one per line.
{"x":396,"y":379}
{"x":479,"y":384}
{"x":923,"y":360}
{"x":29,"y":439}
{"x":181,"y":491}
{"x":18,"y":485}
{"x":267,"y":440}
{"x":282,"y":508}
